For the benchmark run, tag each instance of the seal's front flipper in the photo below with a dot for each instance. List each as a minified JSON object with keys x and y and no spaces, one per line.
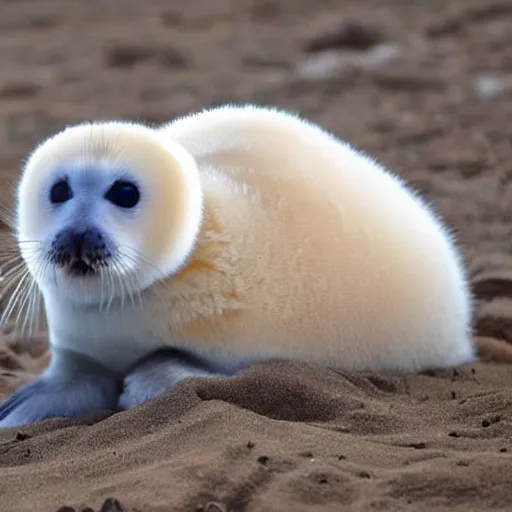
{"x":160,"y":372}
{"x":72,"y":386}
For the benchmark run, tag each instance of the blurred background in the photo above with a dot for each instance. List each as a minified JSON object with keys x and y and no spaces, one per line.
{"x":424,"y":86}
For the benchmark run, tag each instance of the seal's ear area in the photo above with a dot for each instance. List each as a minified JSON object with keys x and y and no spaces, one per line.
{"x":175,"y":206}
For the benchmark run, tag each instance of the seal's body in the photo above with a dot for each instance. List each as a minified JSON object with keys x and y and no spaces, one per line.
{"x":228,"y":237}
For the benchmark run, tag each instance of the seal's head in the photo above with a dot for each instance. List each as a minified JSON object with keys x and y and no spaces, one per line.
{"x":105,"y":209}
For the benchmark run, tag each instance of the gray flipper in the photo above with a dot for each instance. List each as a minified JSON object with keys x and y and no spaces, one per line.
{"x":72,"y":385}
{"x":160,"y":372}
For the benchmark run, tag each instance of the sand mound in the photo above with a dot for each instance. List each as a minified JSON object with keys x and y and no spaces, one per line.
{"x":279,"y":437}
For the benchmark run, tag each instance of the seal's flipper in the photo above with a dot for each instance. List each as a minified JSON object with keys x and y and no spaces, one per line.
{"x":160,"y":372}
{"x":72,"y":386}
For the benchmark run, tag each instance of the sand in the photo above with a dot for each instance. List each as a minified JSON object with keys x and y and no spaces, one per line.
{"x":425,"y":87}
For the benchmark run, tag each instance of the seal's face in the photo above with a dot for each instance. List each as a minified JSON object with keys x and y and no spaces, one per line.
{"x":81,"y":198}
{"x":105,"y":210}
{"x":87,"y":209}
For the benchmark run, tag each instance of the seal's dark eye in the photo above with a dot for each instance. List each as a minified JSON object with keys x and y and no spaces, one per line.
{"x":123,"y":194}
{"x":60,"y":192}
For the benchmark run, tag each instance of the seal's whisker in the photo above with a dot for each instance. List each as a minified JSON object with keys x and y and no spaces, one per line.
{"x":34,"y":242}
{"x":30,"y":322}
{"x":140,"y":257}
{"x":14,"y":299}
{"x":135,"y":276}
{"x":35,"y":309}
{"x":136,"y":286}
{"x":115,"y":280}
{"x":11,"y":266}
{"x":121,"y":271}
{"x":14,"y":262}
{"x":24,"y":298}
{"x":12,"y":281}
{"x":36,"y":303}
{"x":28,"y":317}
{"x":111,"y":297}
{"x":12,"y":271}
{"x":102,"y":288}
{"x":27,"y":295}
{"x":117,"y":275}
{"x":13,"y":259}
{"x":8,"y":217}
{"x":113,"y":285}
{"x":105,"y":285}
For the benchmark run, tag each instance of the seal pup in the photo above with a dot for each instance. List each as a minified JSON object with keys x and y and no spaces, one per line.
{"x":224,"y":238}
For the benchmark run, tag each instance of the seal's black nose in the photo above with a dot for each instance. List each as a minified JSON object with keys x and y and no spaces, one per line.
{"x":82,"y":242}
{"x":79,"y":244}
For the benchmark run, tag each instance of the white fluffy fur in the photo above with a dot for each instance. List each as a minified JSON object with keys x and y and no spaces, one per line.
{"x":305,"y":249}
